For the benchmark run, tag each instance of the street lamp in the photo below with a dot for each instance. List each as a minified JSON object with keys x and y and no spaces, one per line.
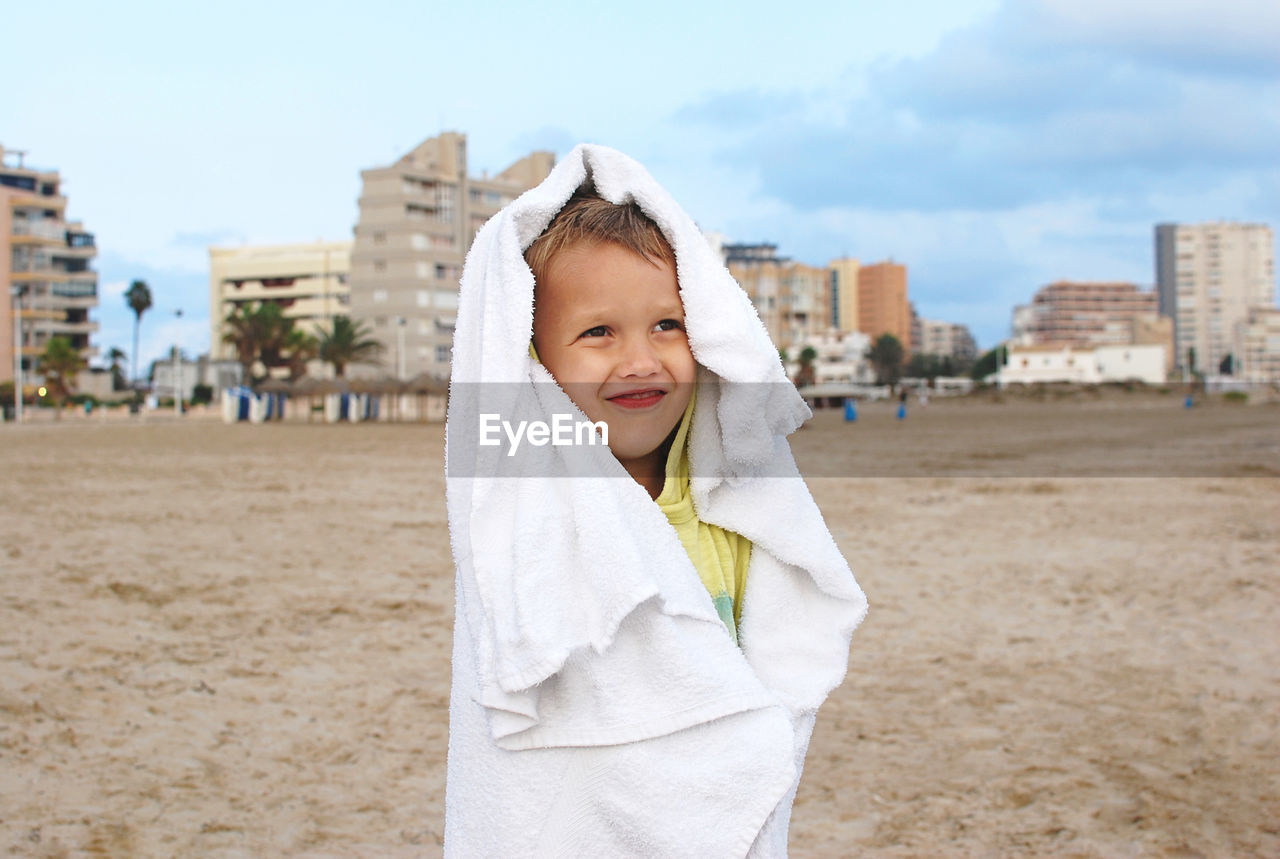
{"x":16,"y":292}
{"x":177,"y":371}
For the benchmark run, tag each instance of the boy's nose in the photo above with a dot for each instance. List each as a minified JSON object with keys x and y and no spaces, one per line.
{"x":639,"y":359}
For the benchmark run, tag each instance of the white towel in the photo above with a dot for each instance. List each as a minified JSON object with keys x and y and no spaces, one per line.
{"x":598,"y":708}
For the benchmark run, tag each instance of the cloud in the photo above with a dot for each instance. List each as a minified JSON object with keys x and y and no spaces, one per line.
{"x":1040,"y":102}
{"x":1220,"y":37}
{"x":548,"y":137}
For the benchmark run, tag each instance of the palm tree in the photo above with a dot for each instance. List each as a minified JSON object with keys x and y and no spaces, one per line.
{"x":59,"y":364}
{"x":115,"y":356}
{"x":243,"y":333}
{"x":348,"y":342}
{"x":139,"y":300}
{"x":301,"y":348}
{"x":260,"y":332}
{"x":274,"y":331}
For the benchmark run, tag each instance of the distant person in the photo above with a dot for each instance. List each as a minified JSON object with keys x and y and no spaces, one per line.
{"x":644,"y":630}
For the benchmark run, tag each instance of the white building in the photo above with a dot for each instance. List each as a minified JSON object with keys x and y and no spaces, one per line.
{"x":841,"y":358}
{"x":1024,"y":318}
{"x":1026,"y":365}
{"x":308,"y":281}
{"x":218,"y":375}
{"x":1208,"y":277}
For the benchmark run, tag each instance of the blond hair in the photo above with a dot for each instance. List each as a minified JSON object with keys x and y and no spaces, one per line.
{"x":589,"y":219}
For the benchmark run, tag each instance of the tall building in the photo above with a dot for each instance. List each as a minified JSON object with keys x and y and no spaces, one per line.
{"x":418,"y":218}
{"x":1256,"y":350}
{"x":793,"y":299}
{"x":1088,"y":314}
{"x":45,"y":271}
{"x":1208,"y":276}
{"x":945,"y":339}
{"x":844,"y":293}
{"x":308,"y":281}
{"x":882,"y":302}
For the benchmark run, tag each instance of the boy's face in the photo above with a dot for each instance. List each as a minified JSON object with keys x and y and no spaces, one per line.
{"x":609,"y":325}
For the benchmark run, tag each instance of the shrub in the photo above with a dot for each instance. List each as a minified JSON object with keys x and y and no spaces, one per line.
{"x":1235,"y":397}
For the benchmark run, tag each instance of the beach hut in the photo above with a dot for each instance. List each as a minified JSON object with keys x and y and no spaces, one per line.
{"x":430,"y":395}
{"x":373,"y":392}
{"x":276,"y":393}
{"x":331,"y":393}
{"x":237,"y":404}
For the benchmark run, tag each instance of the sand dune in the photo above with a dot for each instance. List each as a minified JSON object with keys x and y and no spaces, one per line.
{"x":234,"y":640}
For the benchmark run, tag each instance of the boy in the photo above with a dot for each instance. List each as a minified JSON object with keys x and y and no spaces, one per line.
{"x":598,"y":707}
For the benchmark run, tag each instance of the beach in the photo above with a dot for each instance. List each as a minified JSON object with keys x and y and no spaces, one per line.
{"x":234,"y":640}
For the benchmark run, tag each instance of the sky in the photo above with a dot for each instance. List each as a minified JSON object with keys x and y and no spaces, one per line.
{"x":992,"y":146}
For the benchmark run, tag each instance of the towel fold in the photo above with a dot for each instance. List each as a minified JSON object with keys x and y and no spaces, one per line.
{"x":598,"y":708}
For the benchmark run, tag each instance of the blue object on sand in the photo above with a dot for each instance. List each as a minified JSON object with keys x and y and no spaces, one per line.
{"x":902,"y":411}
{"x":850,"y":409}
{"x":1188,"y":403}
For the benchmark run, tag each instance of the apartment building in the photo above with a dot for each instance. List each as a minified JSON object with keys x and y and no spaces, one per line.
{"x":947,"y":339}
{"x":45,"y":267}
{"x":308,"y":281}
{"x":793,"y":299}
{"x":1256,"y":349}
{"x":418,"y":218}
{"x":844,"y":293}
{"x":1088,"y":313}
{"x":1208,"y":278}
{"x":882,"y":302}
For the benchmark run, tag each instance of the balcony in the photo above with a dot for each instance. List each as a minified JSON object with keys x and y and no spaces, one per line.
{"x":30,"y":199}
{"x":88,"y":326}
{"x":45,"y":229}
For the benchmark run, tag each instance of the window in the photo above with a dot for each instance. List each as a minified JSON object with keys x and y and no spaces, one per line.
{"x":418,"y":241}
{"x":379,"y":238}
{"x":379,"y":296}
{"x":442,"y":354}
{"x":423,"y":270}
{"x":379,"y":265}
{"x":424,"y":297}
{"x":424,"y":327}
{"x":446,"y":300}
{"x":445,"y":203}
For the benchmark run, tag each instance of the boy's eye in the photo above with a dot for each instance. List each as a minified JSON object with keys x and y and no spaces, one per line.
{"x":598,"y":331}
{"x":670,"y":325}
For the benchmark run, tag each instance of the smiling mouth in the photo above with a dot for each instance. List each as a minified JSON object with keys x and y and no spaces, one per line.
{"x":638,"y":399}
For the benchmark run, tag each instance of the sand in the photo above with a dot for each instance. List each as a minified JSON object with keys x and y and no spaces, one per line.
{"x":234,"y":640}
